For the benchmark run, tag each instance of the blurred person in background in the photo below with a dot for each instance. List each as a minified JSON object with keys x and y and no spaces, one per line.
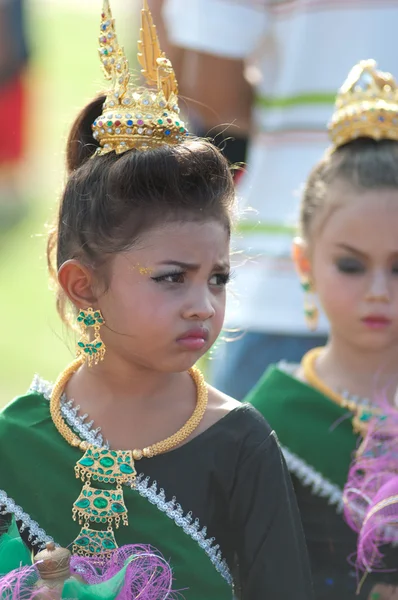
{"x":13,"y":60}
{"x":294,"y":54}
{"x":204,"y":113}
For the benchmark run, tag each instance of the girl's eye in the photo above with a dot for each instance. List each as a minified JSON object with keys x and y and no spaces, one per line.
{"x":220,"y":279}
{"x":350,"y":266}
{"x":175,"y":277}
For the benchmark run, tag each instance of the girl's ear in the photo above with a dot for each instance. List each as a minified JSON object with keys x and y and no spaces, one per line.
{"x":300,"y":258}
{"x":77,"y":282}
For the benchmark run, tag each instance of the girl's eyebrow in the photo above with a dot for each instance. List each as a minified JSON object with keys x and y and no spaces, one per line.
{"x":192,"y":266}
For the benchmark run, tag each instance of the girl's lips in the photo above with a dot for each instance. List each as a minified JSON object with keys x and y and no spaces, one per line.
{"x":376,"y":321}
{"x":192,"y":343}
{"x":194,"y":339}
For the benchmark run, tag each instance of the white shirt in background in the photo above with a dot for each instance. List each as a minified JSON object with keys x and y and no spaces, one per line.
{"x":304,"y":50}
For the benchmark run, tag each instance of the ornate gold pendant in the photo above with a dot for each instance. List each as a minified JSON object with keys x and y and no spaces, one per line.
{"x":101,"y":506}
{"x":91,"y":542}
{"x":108,"y":466}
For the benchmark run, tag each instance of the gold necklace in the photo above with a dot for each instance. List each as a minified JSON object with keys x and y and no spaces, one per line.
{"x":111,"y":467}
{"x":361,"y":414}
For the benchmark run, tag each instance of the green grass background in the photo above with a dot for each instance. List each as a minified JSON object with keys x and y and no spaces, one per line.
{"x":63,"y":74}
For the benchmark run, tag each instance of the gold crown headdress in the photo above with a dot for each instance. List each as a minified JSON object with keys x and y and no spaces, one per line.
{"x":137,"y":117}
{"x":366,"y":106}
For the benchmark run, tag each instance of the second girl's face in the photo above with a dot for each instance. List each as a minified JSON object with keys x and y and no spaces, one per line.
{"x":354,"y":262}
{"x":165,"y":304}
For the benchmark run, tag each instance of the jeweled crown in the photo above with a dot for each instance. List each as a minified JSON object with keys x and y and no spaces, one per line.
{"x":366,"y":106}
{"x":135,"y":116}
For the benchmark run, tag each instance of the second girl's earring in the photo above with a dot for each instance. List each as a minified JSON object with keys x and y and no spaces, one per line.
{"x":91,"y":350}
{"x":311,"y":311}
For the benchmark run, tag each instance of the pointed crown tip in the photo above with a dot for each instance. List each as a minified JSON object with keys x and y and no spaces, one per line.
{"x":366,"y":106}
{"x":137,"y":117}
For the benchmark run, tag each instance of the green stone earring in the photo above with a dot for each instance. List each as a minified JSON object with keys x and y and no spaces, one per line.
{"x":311,"y":312}
{"x":92,"y":351}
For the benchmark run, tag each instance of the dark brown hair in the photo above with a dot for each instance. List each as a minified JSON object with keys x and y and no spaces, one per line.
{"x":110,"y":201}
{"x":363,"y":163}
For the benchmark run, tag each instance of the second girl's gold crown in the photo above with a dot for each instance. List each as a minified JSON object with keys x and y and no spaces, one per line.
{"x":366,"y":106}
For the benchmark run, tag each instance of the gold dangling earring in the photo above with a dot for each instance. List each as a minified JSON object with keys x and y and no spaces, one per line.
{"x":311,"y":311}
{"x":93,"y":351}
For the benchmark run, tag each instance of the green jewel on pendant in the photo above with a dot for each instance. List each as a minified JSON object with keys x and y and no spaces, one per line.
{"x":110,"y":466}
{"x":100,"y":506}
{"x":90,"y":542}
{"x":365,"y":417}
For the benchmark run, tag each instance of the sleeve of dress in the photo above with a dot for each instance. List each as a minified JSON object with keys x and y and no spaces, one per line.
{"x":13,"y":552}
{"x":5,"y":522}
{"x":271,"y":550}
{"x":226,"y":28}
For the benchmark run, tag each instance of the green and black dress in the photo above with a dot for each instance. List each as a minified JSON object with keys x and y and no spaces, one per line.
{"x":318,"y":444}
{"x":220,"y":509}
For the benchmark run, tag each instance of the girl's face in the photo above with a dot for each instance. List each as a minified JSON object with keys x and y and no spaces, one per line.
{"x":165,"y":304}
{"x":354,"y":264}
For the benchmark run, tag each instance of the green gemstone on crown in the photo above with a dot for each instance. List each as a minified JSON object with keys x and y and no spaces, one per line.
{"x":118,"y":508}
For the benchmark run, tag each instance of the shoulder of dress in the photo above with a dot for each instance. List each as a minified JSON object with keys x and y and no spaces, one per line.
{"x":40,"y":386}
{"x":251,"y":428}
{"x":27,"y":409}
{"x":275,"y":381}
{"x":287,"y":367}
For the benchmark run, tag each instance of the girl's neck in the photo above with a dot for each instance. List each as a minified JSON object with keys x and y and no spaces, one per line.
{"x":122,"y":382}
{"x":135,"y":406}
{"x":367,"y":374}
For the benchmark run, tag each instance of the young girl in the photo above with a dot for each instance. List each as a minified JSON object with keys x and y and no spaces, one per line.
{"x":348,"y":254}
{"x":141,"y":254}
